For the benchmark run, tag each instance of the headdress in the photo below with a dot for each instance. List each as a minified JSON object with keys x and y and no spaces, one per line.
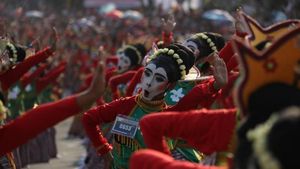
{"x":279,"y":63}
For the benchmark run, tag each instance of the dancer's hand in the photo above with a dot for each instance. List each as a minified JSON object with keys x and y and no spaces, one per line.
{"x":169,"y":24}
{"x":219,"y":70}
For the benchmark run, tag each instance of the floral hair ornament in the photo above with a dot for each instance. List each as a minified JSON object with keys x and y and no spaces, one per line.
{"x":14,"y":51}
{"x":211,"y":44}
{"x":258,"y":136}
{"x":171,"y":52}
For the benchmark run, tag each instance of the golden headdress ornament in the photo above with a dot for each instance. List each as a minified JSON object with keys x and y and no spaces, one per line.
{"x":279,"y":63}
{"x":258,"y":34}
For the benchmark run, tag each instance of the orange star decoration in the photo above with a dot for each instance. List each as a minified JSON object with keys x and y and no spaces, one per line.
{"x":258,"y":34}
{"x":278,"y":63}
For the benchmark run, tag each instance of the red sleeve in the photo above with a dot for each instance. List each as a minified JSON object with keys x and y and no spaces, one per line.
{"x":225,"y":96}
{"x":93,"y":119}
{"x":232,"y":63}
{"x":150,"y":159}
{"x":119,"y":79}
{"x":241,"y":34}
{"x":50,"y":77}
{"x":13,"y":75}
{"x":29,"y":77}
{"x":226,"y":52}
{"x":34,"y":121}
{"x":167,"y":38}
{"x":110,"y":73}
{"x":203,"y":94}
{"x":207,"y":130}
{"x":134,"y":81}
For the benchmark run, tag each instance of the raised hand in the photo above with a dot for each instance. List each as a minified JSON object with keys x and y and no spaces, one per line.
{"x":98,"y":85}
{"x":169,"y":24}
{"x":219,"y":70}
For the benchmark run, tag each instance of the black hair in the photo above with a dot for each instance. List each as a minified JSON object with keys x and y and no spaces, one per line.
{"x":269,"y":99}
{"x":203,"y":46}
{"x":283,"y":140}
{"x":170,"y":64}
{"x":21,"y":53}
{"x":133,"y":55}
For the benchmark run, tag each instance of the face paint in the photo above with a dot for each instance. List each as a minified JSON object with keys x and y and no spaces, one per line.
{"x":124,"y":63}
{"x":193,"y":46}
{"x":154,"y":82}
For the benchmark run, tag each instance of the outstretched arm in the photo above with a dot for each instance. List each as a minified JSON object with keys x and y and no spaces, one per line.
{"x":150,"y":159}
{"x":50,"y":77}
{"x":11,"y":76}
{"x":207,"y":130}
{"x":44,"y":116}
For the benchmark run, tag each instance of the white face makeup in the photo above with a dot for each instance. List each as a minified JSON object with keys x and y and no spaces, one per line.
{"x":123,"y":63}
{"x":193,"y":46}
{"x":154,"y":82}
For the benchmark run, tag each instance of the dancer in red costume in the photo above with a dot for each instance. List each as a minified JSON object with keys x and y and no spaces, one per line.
{"x":150,"y":100}
{"x":263,"y":101}
{"x":36,"y":120}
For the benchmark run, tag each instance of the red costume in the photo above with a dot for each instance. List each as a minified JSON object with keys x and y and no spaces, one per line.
{"x":206,"y":130}
{"x":94,"y":118}
{"x":50,"y":77}
{"x":35,"y":121}
{"x":150,"y":159}
{"x":11,"y":76}
{"x":120,"y":79}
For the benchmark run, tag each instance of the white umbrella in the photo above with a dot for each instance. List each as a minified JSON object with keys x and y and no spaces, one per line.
{"x":134,"y":15}
{"x":217,"y":15}
{"x":34,"y":14}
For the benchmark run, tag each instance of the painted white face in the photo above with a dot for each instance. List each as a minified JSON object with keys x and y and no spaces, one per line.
{"x":154,"y":82}
{"x":193,"y":46}
{"x":123,"y":63}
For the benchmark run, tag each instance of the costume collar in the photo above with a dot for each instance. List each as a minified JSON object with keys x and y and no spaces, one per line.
{"x":150,"y":106}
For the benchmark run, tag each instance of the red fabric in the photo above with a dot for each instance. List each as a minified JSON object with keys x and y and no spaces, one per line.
{"x":227,"y":52}
{"x":167,"y":38}
{"x":34,"y":121}
{"x":241,"y":34}
{"x":110,"y":73}
{"x":203,"y":94}
{"x":29,"y":77}
{"x":232,"y":63}
{"x":11,"y":76}
{"x":50,"y":77}
{"x":100,"y":101}
{"x":120,"y":79}
{"x":225,"y":97}
{"x":207,"y":130}
{"x":94,"y":118}
{"x":136,"y":79}
{"x":150,"y":159}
